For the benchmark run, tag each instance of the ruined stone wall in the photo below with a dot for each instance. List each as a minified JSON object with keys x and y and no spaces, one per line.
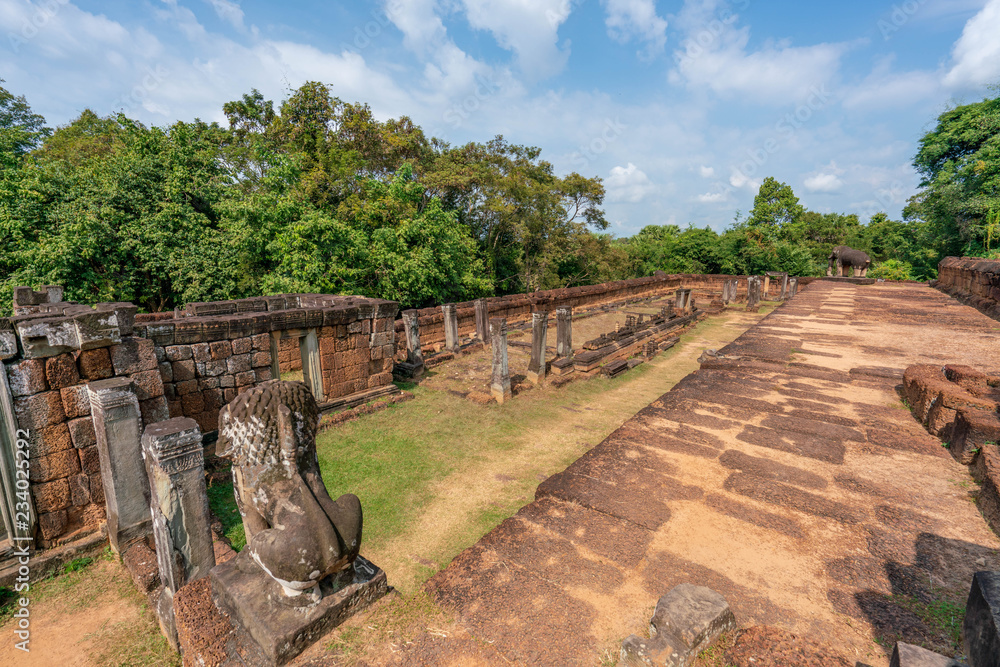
{"x":188,"y":363}
{"x":289,"y":355}
{"x":518,"y":307}
{"x":973,"y":281}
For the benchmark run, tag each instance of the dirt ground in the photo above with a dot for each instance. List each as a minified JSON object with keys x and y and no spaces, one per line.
{"x":787,"y":476}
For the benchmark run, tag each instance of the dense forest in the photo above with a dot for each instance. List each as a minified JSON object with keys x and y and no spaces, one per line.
{"x":317,"y":195}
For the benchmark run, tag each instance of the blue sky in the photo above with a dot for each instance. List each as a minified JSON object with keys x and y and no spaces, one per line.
{"x":681,"y":106}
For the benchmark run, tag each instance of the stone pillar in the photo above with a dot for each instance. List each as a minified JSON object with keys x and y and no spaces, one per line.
{"x":679,"y":299}
{"x":784,"y":287}
{"x":114,"y":409}
{"x":539,"y":333}
{"x":312,"y":372}
{"x":450,"y":327}
{"x":482,"y":321}
{"x":175,"y":467}
{"x":793,"y":287}
{"x":500,"y":384}
{"x":767,"y":286}
{"x":753,"y":293}
{"x":564,"y":332}
{"x":414,"y":357}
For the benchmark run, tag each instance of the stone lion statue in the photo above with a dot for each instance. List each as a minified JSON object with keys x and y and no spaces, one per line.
{"x":843,"y":257}
{"x":295,"y":531}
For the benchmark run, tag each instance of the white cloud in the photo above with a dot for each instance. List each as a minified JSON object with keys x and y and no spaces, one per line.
{"x":711,"y":197}
{"x":628,"y":184}
{"x":714,"y":55}
{"x":529,"y":28}
{"x":740,"y":180}
{"x":822,"y":182}
{"x":229,"y":12}
{"x":706,"y":172}
{"x":976,"y":54}
{"x":636,"y":19}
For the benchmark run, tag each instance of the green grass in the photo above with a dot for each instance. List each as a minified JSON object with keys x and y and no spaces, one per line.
{"x":223,"y":504}
{"x":944,"y":617}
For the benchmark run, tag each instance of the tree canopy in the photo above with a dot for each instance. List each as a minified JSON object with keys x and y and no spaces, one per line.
{"x":316,"y":194}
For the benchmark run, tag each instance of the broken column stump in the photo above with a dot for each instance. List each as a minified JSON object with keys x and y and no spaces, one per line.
{"x":753,"y":293}
{"x":686,"y":621}
{"x":451,"y":342}
{"x":981,"y":631}
{"x":482,"y":320}
{"x":564,"y":332}
{"x":175,"y":465}
{"x":500,"y":381}
{"x":114,"y":409}
{"x":539,"y":333}
{"x":414,"y":365}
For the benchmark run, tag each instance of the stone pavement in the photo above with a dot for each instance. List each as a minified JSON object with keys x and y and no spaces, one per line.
{"x":785,"y":474}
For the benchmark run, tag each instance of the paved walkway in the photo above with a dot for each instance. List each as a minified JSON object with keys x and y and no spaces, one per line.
{"x":787,"y":476}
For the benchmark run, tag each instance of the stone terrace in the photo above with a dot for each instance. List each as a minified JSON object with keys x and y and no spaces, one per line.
{"x":785,"y":475}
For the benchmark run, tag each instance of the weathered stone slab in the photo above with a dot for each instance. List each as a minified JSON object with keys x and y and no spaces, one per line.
{"x":981,"y":631}
{"x":500,"y":381}
{"x":451,"y":341}
{"x":257,"y":604}
{"x":686,"y":621}
{"x":907,"y":655}
{"x":539,"y":329}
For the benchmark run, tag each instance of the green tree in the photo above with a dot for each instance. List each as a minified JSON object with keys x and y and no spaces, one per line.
{"x":959,"y":162}
{"x":774,"y":207}
{"x":21,"y":130}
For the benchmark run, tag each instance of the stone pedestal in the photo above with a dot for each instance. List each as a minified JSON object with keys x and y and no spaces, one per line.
{"x":283,"y":630}
{"x":482,"y":321}
{"x":682,"y":300}
{"x":414,"y":364}
{"x":981,"y":630}
{"x":450,"y":327}
{"x":564,"y":332}
{"x":500,"y":382}
{"x":118,"y":426}
{"x":539,"y":333}
{"x":175,"y":466}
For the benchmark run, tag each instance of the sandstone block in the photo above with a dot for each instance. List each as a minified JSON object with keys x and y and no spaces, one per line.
{"x":240,"y":363}
{"x":79,"y":488}
{"x":75,"y":400}
{"x":262,"y":342}
{"x":60,"y":371}
{"x":193,"y":403}
{"x":148,"y":384}
{"x":178,"y":352}
{"x":183,"y":370}
{"x":49,"y":440}
{"x":208,"y":383}
{"x":54,"y":466}
{"x":154,"y":410}
{"x":227,"y":381}
{"x":52,"y":524}
{"x":51,"y":496}
{"x":261,"y":360}
{"x":133,"y":355}
{"x":201,"y":352}
{"x":686,"y":621}
{"x":81,"y":432}
{"x":263,"y":374}
{"x":166,"y":371}
{"x":27,"y":377}
{"x":95,"y":364}
{"x":220,"y":350}
{"x":245,"y":379}
{"x":906,"y":655}
{"x":215,"y":368}
{"x":90,"y":461}
{"x":39,"y":410}
{"x":242,"y":345}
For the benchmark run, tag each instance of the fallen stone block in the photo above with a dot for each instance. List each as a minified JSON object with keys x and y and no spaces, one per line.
{"x":973,"y":430}
{"x":907,"y":655}
{"x":686,"y":621}
{"x":981,"y":631}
